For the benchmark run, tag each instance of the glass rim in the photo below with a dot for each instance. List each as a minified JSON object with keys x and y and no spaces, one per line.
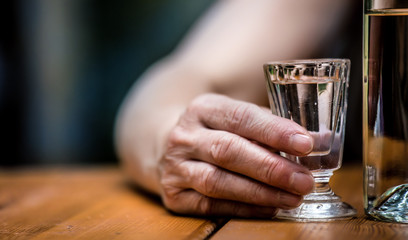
{"x":311,"y":70}
{"x":310,"y":61}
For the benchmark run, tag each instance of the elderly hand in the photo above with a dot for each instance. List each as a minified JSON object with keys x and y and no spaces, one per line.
{"x":222,"y":158}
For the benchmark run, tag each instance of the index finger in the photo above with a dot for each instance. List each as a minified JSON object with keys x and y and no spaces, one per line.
{"x":252,"y":122}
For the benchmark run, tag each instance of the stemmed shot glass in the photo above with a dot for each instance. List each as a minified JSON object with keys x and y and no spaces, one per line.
{"x":313,"y":93}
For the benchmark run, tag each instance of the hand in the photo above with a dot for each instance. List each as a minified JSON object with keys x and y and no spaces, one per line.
{"x":222,"y":159}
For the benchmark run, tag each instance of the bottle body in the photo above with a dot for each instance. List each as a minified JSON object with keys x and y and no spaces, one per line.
{"x":385,"y":110}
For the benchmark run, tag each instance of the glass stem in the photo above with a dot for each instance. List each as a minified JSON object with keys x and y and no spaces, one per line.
{"x":322,"y":187}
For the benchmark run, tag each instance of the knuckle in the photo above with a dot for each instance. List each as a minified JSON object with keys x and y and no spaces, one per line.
{"x":270,"y":168}
{"x":273,"y":132}
{"x":180,"y":143}
{"x":286,"y":133}
{"x":168,"y":169}
{"x":193,"y":108}
{"x":278,"y":196}
{"x":257,"y":193}
{"x":170,"y":198}
{"x":179,"y":136}
{"x":240,"y":117}
{"x":173,"y":175}
{"x":222,"y":147}
{"x":211,"y":179}
{"x":200,"y":101}
{"x":205,"y":206}
{"x":202,"y":98}
{"x":165,"y":169}
{"x":170,"y":160}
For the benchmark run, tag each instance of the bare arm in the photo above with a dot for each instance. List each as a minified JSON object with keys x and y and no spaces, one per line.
{"x":223,"y":54}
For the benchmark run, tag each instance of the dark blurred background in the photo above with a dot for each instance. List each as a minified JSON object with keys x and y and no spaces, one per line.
{"x":65,"y":66}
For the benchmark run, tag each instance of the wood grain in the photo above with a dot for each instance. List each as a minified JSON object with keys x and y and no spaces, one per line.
{"x":97,"y":203}
{"x":80,"y":203}
{"x":347,"y":183}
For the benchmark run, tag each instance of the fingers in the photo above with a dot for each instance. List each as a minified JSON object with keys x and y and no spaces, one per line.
{"x":218,"y":183}
{"x":219,"y":160}
{"x":204,"y":189}
{"x":252,"y":122}
{"x":242,"y":156}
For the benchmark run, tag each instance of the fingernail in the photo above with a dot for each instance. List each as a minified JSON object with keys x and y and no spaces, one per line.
{"x":301,"y":143}
{"x":301,"y":183}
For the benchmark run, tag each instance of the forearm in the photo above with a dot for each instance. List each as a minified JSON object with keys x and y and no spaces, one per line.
{"x":150,"y":110}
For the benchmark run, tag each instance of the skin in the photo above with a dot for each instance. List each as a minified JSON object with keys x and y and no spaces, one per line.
{"x":194,"y":128}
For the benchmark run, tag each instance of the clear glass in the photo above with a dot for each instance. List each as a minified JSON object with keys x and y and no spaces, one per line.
{"x":385,"y":110}
{"x":313,"y":93}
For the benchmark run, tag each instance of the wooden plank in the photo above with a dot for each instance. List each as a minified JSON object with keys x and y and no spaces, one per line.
{"x":129,"y":215}
{"x":347,"y":183}
{"x":33,"y":201}
{"x":87,"y":204}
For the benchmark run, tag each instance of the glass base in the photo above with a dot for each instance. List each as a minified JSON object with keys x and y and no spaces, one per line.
{"x":321,"y":205}
{"x":319,"y":211}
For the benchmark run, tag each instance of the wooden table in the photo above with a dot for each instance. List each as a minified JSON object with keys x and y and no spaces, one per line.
{"x":98,"y":203}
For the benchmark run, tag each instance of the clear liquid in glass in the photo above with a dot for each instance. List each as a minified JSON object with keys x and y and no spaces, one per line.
{"x":316,"y":106}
